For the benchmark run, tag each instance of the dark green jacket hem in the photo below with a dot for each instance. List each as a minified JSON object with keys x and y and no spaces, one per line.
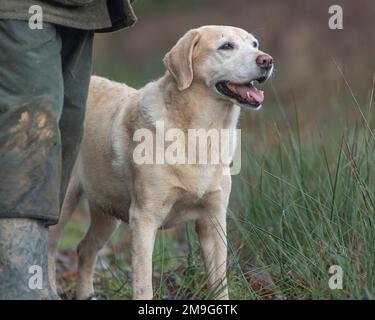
{"x":97,"y":15}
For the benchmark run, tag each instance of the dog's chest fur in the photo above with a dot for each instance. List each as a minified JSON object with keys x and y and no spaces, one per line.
{"x":196,"y":180}
{"x":193,"y":186}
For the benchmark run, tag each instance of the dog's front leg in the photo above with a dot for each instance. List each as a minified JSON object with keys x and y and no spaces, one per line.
{"x":213,"y":240}
{"x":143,"y":238}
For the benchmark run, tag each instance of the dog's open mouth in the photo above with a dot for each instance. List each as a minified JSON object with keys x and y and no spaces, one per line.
{"x":244,"y":93}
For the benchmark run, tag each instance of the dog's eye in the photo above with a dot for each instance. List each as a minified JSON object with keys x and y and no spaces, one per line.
{"x":255,"y":44}
{"x":227,"y":46}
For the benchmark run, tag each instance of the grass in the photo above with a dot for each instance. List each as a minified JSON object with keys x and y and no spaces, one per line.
{"x":304,"y":201}
{"x":304,"y":207}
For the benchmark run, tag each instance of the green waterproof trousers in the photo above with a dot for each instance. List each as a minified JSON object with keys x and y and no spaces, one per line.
{"x":44,"y":79}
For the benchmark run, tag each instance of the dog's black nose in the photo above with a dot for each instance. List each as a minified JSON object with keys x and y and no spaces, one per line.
{"x":264,"y":61}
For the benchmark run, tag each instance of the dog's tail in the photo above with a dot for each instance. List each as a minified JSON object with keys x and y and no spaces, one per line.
{"x":71,"y":200}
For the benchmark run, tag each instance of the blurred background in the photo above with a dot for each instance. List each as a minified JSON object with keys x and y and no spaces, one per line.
{"x":294,"y":32}
{"x":305,"y":197}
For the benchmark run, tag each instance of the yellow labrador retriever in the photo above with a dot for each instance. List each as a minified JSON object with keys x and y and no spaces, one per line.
{"x":210,"y":75}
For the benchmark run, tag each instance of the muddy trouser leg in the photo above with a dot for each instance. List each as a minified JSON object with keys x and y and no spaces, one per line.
{"x":43,"y":89}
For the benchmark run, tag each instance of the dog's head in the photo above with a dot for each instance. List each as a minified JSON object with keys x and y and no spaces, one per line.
{"x":224,"y":58}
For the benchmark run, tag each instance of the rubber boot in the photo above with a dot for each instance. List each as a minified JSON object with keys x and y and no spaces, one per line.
{"x":24,"y":260}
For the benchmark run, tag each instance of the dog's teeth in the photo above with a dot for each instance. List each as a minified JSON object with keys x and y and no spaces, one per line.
{"x":248,"y":95}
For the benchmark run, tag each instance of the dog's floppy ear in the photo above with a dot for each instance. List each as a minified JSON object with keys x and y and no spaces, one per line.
{"x":179,"y":61}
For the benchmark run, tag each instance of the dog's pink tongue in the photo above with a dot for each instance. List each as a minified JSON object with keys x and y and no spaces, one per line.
{"x":250,"y":93}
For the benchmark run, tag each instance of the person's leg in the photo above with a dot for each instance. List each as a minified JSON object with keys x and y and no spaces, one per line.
{"x":76,"y":65}
{"x":76,"y":56}
{"x":31,"y":100}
